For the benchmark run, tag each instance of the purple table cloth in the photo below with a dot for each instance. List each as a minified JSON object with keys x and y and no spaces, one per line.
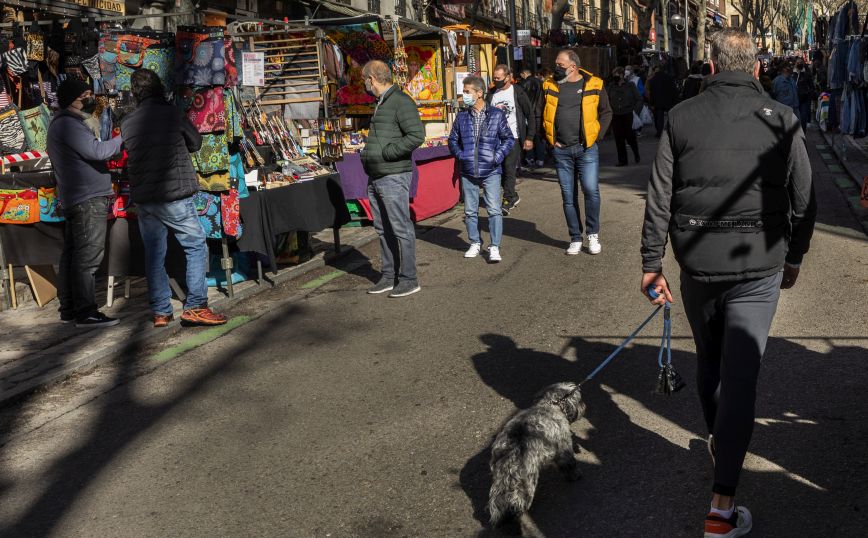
{"x":354,"y":180}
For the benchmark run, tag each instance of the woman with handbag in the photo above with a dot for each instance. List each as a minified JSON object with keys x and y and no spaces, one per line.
{"x":626,"y":105}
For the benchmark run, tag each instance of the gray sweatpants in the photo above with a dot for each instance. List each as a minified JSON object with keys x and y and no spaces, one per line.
{"x":730,"y":323}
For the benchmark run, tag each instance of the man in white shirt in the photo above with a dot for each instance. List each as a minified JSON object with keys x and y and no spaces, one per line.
{"x":521,"y":116}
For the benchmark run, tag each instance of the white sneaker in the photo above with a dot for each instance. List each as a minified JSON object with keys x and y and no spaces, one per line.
{"x":474,"y":250}
{"x":494,"y":254}
{"x":575,"y":248}
{"x":594,"y":244}
{"x":540,"y":164}
{"x":739,"y":524}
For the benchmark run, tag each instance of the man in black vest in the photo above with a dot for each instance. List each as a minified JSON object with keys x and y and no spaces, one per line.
{"x":731,"y":186}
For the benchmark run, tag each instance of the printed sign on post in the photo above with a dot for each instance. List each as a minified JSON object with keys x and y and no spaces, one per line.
{"x":253,"y":70}
{"x":522,"y":38}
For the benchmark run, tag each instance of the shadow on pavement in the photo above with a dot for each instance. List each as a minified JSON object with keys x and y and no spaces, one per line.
{"x":646,"y":468}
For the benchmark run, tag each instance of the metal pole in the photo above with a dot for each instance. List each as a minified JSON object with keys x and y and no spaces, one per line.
{"x":514,"y":34}
{"x":687,"y":31}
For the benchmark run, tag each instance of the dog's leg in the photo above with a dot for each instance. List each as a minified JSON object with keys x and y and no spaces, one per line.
{"x":529,"y":528}
{"x":566,"y":460}
{"x":577,"y":447}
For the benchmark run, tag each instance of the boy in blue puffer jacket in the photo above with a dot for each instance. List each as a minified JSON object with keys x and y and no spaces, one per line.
{"x":481,"y":140}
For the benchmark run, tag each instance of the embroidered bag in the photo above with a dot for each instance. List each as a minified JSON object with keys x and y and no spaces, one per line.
{"x":91,"y":65}
{"x":233,"y":118}
{"x":11,"y":133}
{"x":35,"y":43}
{"x":231,"y":67}
{"x":19,"y":206}
{"x":213,"y":156}
{"x":208,"y":208}
{"x":34,"y":123}
{"x":53,"y":61}
{"x":200,"y":58}
{"x":206,"y":110}
{"x":49,"y":205}
{"x":16,"y":61}
{"x":230,"y":211}
{"x":219,"y":182}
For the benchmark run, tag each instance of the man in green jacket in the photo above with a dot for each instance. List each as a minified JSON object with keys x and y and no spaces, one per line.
{"x":395,"y":132}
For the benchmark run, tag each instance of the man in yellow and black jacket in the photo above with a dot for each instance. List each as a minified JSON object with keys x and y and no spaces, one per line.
{"x":575,"y":117}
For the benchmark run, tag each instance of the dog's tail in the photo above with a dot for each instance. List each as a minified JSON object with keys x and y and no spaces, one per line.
{"x":513,"y":478}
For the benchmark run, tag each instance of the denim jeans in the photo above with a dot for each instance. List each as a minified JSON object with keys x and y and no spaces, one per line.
{"x":83,"y":248}
{"x":155,"y":221}
{"x":578,"y":165}
{"x":390,"y":207}
{"x":493,"y":204}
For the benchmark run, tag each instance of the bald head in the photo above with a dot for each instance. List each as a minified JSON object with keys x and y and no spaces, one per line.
{"x":377,"y":77}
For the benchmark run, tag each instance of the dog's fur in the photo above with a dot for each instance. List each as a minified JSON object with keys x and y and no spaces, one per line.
{"x":531,"y":439}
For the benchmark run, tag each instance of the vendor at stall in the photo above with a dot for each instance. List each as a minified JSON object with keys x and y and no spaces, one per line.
{"x":84,"y":185}
{"x":396,"y":131}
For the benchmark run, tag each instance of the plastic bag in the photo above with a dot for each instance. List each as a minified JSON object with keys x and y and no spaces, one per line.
{"x":646,"y":117}
{"x":637,"y":122}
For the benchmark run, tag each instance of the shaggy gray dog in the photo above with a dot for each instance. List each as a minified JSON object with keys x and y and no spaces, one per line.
{"x":530,"y":440}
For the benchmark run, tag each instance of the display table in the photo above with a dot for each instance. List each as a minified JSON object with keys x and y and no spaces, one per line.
{"x":435,"y":186}
{"x":309,"y":206}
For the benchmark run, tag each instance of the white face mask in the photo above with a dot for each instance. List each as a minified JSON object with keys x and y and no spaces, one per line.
{"x":469,"y":99}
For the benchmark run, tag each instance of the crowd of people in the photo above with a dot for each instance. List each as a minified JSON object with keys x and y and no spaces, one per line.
{"x":739,"y":228}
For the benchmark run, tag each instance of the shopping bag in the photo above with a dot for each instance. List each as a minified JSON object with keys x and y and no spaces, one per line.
{"x":49,"y":205}
{"x":230,"y":212}
{"x":34,"y":123}
{"x":637,"y":122}
{"x":11,"y":132}
{"x":208,"y":208}
{"x":646,"y":116}
{"x":19,"y":206}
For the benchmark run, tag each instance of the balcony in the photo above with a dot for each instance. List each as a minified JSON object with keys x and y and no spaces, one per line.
{"x":374,"y":6}
{"x":582,"y":10}
{"x":401,"y":8}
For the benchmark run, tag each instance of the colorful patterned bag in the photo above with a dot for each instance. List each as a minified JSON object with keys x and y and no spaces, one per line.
{"x":200,"y":56}
{"x":35,"y":45}
{"x":233,"y":117}
{"x":49,"y":205}
{"x":11,"y":132}
{"x":34,"y":123}
{"x":230,"y":211}
{"x":205,"y":108}
{"x":16,"y":61}
{"x":208,"y":207}
{"x":213,"y":156}
{"x":19,"y":206}
{"x":121,"y":207}
{"x":231,"y":67}
{"x":218,"y":182}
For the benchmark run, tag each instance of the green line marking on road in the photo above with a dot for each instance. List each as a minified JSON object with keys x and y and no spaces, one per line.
{"x":822,"y":146}
{"x":325,"y":279}
{"x":835,"y":168}
{"x":200,"y":339}
{"x":845,"y":182}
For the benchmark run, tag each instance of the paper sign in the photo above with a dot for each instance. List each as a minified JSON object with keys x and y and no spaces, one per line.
{"x":253,"y":71}
{"x":459,"y":83}
{"x":522,"y":38}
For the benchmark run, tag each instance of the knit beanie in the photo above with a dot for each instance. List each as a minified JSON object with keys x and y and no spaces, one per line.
{"x":70,"y":90}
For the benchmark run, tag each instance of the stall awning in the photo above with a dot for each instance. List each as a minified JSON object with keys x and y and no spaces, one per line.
{"x":478,"y":37}
{"x":340,"y":8}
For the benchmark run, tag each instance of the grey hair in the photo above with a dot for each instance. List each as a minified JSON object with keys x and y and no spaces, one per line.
{"x":475,"y":82}
{"x":378,"y":70}
{"x":733,"y":50}
{"x":572,"y":56}
{"x":503,"y":68}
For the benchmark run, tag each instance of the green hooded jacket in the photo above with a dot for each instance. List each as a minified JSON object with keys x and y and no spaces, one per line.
{"x":395,"y":132}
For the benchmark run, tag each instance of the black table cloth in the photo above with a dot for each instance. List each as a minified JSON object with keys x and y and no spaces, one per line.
{"x":309,"y":206}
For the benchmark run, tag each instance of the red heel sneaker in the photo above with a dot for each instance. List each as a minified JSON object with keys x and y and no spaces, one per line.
{"x":738,"y":524}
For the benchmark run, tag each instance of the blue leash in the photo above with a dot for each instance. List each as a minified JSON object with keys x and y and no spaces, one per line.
{"x":665,"y":344}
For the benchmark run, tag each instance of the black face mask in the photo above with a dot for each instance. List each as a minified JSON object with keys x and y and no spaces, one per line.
{"x":88,"y":105}
{"x":560,"y":73}
{"x":499,"y":84}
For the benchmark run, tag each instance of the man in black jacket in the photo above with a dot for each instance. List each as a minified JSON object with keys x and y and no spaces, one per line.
{"x":522,"y":119}
{"x":662,"y":94}
{"x":731,"y":186}
{"x":533,"y":88}
{"x":159,"y":139}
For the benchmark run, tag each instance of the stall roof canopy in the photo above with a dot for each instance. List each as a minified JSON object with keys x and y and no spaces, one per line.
{"x":409,"y":28}
{"x":477,"y":36}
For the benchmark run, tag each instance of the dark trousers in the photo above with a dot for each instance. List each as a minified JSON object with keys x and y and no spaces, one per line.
{"x":390,"y":207}
{"x":730,"y":323}
{"x":622,"y":127}
{"x":659,"y":119}
{"x":510,"y":165}
{"x":83,"y":248}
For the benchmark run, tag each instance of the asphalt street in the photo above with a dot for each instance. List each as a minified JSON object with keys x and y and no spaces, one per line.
{"x":328,"y":412}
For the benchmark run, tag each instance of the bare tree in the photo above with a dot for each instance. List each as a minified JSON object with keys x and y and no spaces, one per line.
{"x":700,"y":30}
{"x":559,"y":9}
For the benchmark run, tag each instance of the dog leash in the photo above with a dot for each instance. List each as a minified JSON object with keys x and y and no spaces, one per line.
{"x":668,"y":380}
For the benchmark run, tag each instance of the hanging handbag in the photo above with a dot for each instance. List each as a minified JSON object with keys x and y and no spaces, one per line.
{"x":11,"y":132}
{"x":34,"y":123}
{"x":19,"y":206}
{"x":205,"y":108}
{"x":49,"y":205}
{"x":230,"y":211}
{"x":208,"y":208}
{"x":217,"y":182}
{"x":213,"y":156}
{"x":16,"y":61}
{"x":231,"y":66}
{"x":121,"y":206}
{"x":35,"y":43}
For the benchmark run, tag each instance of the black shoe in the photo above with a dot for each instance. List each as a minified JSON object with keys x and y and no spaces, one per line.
{"x":97,"y":319}
{"x":638,"y":158}
{"x":67,"y":318}
{"x":516,"y":201}
{"x":404,"y":289}
{"x":384,"y":285}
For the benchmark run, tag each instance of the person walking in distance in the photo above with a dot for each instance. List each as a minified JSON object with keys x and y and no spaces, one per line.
{"x":740,"y":222}
{"x":533,"y":88}
{"x":521,"y":117}
{"x":396,"y":130}
{"x":481,"y":139}
{"x":626,"y":101}
{"x":662,"y":94}
{"x":575,"y":118}
{"x":784,"y":89}
{"x":84,"y":186}
{"x":159,"y":140}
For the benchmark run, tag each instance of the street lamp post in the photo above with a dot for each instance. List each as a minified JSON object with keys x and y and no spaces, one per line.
{"x":687,"y":31}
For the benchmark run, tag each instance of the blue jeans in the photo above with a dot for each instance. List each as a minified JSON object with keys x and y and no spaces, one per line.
{"x":493,"y":204}
{"x":180,"y":216}
{"x":578,"y":165}
{"x":390,"y":207}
